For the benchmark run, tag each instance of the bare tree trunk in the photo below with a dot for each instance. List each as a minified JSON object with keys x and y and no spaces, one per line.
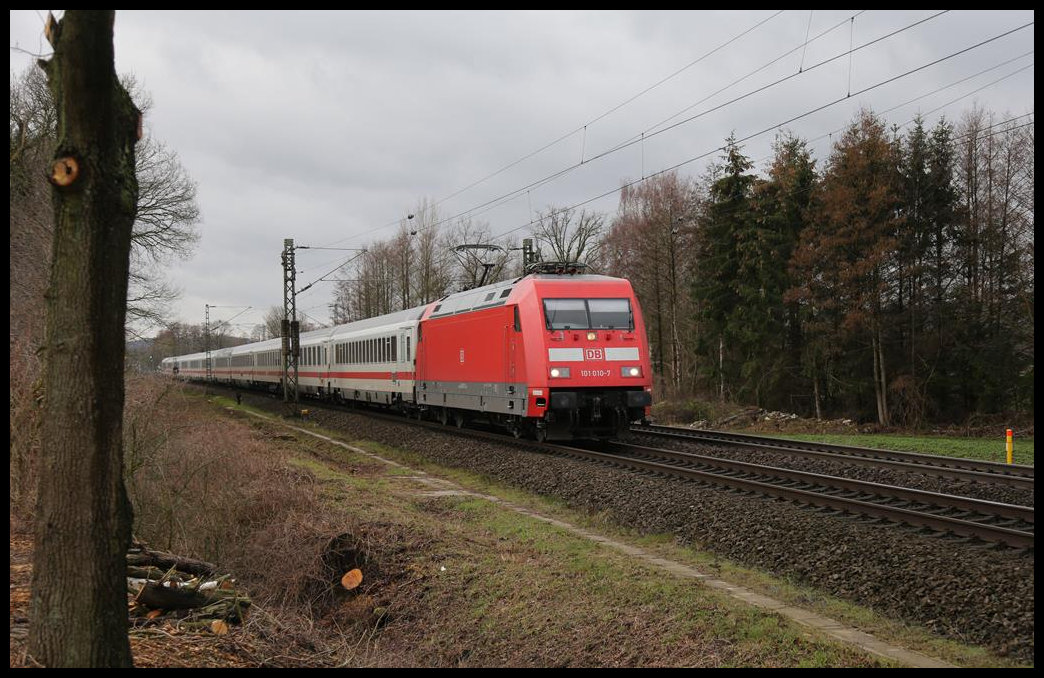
{"x":879,"y":376}
{"x":721,"y":367}
{"x":815,"y":389}
{"x":79,"y":606}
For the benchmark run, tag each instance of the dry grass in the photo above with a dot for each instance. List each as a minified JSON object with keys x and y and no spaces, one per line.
{"x":24,"y":413}
{"x":219,"y":490}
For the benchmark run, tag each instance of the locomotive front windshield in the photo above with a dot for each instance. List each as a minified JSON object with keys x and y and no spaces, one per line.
{"x":588,"y":314}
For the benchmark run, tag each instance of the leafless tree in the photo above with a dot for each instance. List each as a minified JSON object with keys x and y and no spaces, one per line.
{"x":167,"y":213}
{"x":569,"y":236}
{"x":478,"y":261}
{"x":651,"y":243}
{"x":273,"y":322}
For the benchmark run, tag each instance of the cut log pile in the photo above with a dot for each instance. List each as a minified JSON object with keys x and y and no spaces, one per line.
{"x":181,"y":592}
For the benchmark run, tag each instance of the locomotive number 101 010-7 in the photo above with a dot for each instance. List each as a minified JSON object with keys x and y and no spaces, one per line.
{"x":596,"y":373}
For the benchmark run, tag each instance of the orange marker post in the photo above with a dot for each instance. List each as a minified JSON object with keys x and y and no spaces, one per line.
{"x":1009,"y":446}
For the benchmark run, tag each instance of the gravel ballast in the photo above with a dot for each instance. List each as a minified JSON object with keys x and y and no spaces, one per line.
{"x":962,"y":590}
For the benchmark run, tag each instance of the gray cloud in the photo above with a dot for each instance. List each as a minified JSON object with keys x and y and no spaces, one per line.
{"x":328,"y":126}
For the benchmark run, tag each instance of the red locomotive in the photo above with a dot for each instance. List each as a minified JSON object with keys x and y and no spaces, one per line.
{"x":553,"y":354}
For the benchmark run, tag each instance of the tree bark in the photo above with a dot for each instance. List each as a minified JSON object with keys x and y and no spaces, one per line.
{"x":83,"y":518}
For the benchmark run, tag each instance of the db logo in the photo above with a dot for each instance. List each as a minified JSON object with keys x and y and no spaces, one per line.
{"x":594,"y":354}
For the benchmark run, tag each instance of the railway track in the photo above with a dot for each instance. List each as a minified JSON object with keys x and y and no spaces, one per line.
{"x":1014,"y":475}
{"x":943,"y":514}
{"x":963,"y":516}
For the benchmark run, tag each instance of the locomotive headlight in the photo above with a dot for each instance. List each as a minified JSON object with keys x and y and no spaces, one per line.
{"x":591,"y":336}
{"x":557,"y":372}
{"x":631,"y":372}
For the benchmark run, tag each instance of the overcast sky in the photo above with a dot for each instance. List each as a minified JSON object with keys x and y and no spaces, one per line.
{"x":330,"y":127}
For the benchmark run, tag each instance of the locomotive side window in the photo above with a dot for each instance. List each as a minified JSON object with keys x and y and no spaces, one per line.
{"x":588,"y":314}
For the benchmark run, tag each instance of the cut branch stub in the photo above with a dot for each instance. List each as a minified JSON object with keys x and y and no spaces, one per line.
{"x":65,"y":171}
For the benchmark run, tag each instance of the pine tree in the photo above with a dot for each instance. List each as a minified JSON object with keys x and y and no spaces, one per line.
{"x":847,"y":259}
{"x":724,"y":239}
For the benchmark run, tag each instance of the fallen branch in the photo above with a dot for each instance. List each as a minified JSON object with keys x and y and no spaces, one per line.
{"x":167,"y":598}
{"x":165,"y":561}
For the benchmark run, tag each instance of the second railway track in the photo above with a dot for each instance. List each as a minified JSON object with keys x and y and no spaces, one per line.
{"x":1013,"y":475}
{"x":990,"y":521}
